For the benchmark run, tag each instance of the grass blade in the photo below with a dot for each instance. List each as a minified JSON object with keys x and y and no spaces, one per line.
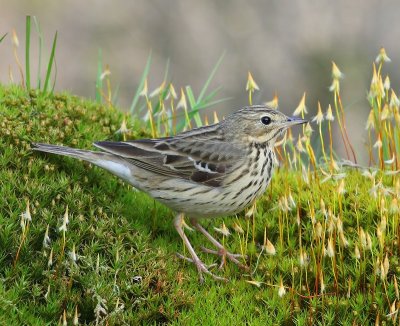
{"x":114,"y":99}
{"x":3,"y":37}
{"x":27,"y":52}
{"x":208,"y":104}
{"x":141,"y":84}
{"x":50,"y":64}
{"x":166,"y":70}
{"x":190,"y":96}
{"x":209,"y":79}
{"x":55,"y":75}
{"x":164,"y":93}
{"x":39,"y":31}
{"x":212,"y":94}
{"x":161,"y":99}
{"x":99,"y":81}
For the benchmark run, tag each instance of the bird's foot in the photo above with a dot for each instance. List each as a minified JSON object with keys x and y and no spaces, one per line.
{"x":221,"y":251}
{"x":225,"y":254}
{"x":202,"y":268}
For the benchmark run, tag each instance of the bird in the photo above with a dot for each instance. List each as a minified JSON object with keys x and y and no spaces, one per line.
{"x":206,"y":172}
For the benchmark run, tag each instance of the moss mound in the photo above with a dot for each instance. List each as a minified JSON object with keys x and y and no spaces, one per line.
{"x":110,"y":226}
{"x":115,"y":262}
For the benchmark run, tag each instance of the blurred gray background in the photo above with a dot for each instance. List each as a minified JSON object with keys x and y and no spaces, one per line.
{"x":287,"y":45}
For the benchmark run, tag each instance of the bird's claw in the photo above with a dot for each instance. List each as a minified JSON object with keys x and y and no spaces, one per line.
{"x":202,"y":268}
{"x":224,"y":254}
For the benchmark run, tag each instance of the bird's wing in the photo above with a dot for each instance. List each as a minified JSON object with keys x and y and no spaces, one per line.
{"x":197,"y":159}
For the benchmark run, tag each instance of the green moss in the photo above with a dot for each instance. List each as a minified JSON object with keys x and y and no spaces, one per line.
{"x":126,"y":243}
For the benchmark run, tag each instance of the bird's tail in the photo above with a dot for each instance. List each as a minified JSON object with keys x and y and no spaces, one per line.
{"x":81,"y":154}
{"x":110,"y":162}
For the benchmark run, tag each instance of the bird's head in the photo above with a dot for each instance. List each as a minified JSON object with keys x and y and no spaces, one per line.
{"x":258,"y":123}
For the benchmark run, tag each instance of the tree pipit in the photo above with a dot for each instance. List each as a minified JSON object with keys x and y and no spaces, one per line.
{"x":210,"y":171}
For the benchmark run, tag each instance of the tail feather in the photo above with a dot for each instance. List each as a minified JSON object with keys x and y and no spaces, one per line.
{"x":85,"y":155}
{"x":110,"y":162}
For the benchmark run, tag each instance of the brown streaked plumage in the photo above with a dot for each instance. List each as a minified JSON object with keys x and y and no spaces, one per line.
{"x":205,"y":172}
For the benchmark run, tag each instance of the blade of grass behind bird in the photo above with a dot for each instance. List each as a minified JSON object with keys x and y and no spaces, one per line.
{"x":141,"y":84}
{"x":27,"y":52}
{"x":114,"y":99}
{"x":3,"y":37}
{"x":40,"y":42}
{"x":50,"y":64}
{"x":164,"y":93}
{"x":99,"y":81}
{"x":210,"y":78}
{"x":203,"y":100}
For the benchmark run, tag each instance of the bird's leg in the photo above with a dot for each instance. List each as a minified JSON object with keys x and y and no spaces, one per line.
{"x":221,"y":249}
{"x":201,"y":267}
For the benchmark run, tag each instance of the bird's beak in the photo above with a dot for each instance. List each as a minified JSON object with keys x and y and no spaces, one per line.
{"x":292,"y":121}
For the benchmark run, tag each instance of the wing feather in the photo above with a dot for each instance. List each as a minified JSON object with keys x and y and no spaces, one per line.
{"x":193,"y":156}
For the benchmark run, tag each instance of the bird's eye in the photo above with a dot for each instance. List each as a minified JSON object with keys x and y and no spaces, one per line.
{"x":266,"y":120}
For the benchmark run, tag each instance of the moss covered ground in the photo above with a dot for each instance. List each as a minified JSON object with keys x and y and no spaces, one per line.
{"x":320,"y":251}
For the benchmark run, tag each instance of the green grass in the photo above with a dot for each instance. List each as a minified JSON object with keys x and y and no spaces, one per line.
{"x":127,"y":272}
{"x":51,"y":62}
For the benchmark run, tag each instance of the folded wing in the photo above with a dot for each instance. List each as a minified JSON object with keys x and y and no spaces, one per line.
{"x":200,"y":157}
